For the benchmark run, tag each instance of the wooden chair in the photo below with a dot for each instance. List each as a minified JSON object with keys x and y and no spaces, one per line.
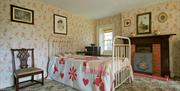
{"x":24,"y":70}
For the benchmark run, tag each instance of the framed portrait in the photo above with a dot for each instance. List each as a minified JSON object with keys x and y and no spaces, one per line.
{"x":60,"y":24}
{"x":127,"y":22}
{"x":144,"y":23}
{"x":23,"y":15}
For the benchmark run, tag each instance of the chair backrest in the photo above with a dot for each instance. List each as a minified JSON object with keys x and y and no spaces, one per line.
{"x":23,"y":55}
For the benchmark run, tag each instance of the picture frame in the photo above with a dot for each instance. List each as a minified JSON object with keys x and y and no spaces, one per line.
{"x":22,"y":15}
{"x":144,"y":23}
{"x":60,"y":24}
{"x":127,"y":22}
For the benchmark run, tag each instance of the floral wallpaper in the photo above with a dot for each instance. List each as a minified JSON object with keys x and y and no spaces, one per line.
{"x":21,"y":35}
{"x":115,"y":21}
{"x":171,"y":26}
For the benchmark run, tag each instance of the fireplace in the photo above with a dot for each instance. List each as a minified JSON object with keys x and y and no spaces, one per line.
{"x":150,"y":54}
{"x":143,"y":59}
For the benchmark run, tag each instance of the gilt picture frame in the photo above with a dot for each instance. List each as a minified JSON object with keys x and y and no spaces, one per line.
{"x":144,"y":23}
{"x":22,"y":15}
{"x":60,"y":24}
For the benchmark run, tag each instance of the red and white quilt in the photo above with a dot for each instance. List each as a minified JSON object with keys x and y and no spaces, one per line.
{"x":86,"y":73}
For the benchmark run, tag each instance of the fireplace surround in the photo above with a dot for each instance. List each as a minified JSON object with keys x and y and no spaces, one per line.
{"x":159,"y":49}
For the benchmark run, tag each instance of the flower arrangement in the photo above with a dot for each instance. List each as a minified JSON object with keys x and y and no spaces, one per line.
{"x":156,"y":32}
{"x":133,"y":34}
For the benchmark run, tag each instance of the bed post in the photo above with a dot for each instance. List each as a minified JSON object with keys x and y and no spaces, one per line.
{"x":48,"y":57}
{"x":113,"y":78}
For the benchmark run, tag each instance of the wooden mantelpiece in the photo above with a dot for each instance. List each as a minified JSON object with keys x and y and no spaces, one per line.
{"x":151,"y":39}
{"x":151,"y":35}
{"x":163,"y":41}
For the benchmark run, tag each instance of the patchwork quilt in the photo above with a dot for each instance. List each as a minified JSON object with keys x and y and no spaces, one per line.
{"x":85,"y":73}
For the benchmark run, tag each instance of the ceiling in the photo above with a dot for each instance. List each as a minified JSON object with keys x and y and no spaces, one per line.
{"x":95,"y":9}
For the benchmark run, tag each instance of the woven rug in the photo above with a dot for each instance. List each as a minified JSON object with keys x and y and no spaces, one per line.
{"x":139,"y":84}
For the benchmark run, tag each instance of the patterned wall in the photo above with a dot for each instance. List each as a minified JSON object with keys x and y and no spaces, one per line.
{"x":172,"y":25}
{"x":115,"y":21}
{"x":18,"y":35}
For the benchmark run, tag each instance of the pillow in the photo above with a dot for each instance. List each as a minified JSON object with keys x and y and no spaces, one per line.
{"x":68,"y":54}
{"x":59,"y":55}
{"x":65,"y":54}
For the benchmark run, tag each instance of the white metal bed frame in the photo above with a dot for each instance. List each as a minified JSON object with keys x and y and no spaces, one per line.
{"x":121,"y":51}
{"x":57,"y":44}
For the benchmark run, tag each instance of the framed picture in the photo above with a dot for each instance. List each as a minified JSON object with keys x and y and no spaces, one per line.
{"x":60,"y":24}
{"x":19,"y":14}
{"x":144,"y":23}
{"x":127,"y":22}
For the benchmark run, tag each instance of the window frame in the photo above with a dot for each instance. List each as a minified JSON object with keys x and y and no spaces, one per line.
{"x":99,"y":34}
{"x":108,"y":40}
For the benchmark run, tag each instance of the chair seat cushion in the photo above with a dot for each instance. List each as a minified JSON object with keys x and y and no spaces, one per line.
{"x":27,"y":71}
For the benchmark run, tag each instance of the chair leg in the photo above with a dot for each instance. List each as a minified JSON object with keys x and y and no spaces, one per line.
{"x":14,"y":81}
{"x":129,"y":80}
{"x":17,"y":84}
{"x":42,"y":78}
{"x":32,"y":78}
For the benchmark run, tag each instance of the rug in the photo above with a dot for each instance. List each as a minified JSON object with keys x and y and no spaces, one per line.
{"x":139,"y":84}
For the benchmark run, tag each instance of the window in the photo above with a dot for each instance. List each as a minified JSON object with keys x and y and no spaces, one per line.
{"x":105,"y":38}
{"x":108,"y":40}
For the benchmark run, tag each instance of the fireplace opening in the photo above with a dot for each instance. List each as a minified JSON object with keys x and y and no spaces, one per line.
{"x":143,"y":59}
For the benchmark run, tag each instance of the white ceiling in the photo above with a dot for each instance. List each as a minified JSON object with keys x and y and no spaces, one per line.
{"x":95,"y":9}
